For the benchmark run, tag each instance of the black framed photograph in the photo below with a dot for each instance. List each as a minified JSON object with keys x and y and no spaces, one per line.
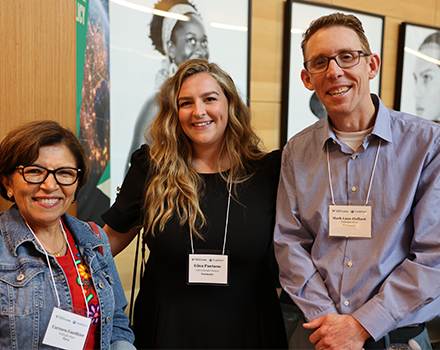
{"x":148,"y":40}
{"x":418,"y":71}
{"x":300,"y":106}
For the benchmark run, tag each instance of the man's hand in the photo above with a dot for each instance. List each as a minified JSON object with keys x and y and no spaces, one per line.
{"x":337,"y":332}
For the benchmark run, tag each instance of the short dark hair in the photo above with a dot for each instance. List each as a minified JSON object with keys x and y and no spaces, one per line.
{"x":333,"y":20}
{"x":21,"y":146}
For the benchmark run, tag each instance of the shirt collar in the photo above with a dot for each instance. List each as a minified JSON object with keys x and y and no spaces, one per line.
{"x":14,"y":229}
{"x":382,"y":127}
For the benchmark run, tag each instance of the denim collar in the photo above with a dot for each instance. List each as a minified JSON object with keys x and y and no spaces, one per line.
{"x":15,"y":231}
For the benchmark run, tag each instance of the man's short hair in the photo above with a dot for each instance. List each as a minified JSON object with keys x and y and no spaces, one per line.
{"x":336,"y":19}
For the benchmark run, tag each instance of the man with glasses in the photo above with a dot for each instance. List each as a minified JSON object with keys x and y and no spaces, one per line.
{"x":357,"y":235}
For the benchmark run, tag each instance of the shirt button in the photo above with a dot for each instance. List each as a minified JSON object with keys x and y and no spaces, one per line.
{"x":101,"y":285}
{"x":350,"y":263}
{"x":107,"y":319}
{"x":346,"y":303}
{"x":354,"y":157}
{"x":20,"y":276}
{"x":353,"y":189}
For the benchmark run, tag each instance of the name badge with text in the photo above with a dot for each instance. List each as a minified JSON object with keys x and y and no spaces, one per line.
{"x":66,"y":330}
{"x":208,"y":269}
{"x":350,"y":221}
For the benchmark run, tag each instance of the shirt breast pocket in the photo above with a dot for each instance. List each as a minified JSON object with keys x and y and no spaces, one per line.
{"x":21,"y":289}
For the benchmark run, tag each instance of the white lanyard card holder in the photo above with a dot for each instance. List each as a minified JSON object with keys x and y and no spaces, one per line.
{"x":207,"y":267}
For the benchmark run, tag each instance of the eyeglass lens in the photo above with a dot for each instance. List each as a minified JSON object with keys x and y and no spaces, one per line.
{"x":36,"y":174}
{"x":343,"y":59}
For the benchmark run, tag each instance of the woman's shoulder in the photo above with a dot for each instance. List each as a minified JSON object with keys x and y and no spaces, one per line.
{"x":84,"y":231}
{"x":274,"y":155}
{"x":141,"y":156}
{"x":271,"y":159}
{"x":269,"y":164}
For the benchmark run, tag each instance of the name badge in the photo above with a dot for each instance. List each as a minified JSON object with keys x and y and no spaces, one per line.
{"x":210,"y":269}
{"x":349,"y":221}
{"x":66,"y":330}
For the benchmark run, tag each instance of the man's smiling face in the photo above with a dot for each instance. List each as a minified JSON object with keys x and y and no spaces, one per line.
{"x":344,"y":92}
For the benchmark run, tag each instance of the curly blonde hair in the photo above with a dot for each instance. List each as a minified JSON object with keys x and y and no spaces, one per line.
{"x":174,"y":187}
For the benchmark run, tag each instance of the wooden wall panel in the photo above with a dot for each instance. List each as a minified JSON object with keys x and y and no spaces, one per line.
{"x":37,"y":64}
{"x":267,"y":121}
{"x":397,"y":9}
{"x":266,"y":72}
{"x":389,"y":60}
{"x":437,"y":14}
{"x":266,"y":60}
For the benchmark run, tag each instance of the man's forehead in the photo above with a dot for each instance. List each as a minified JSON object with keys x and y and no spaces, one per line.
{"x":332,"y":40}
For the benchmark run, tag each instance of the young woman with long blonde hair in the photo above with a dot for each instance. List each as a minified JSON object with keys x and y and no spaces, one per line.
{"x":205,"y":195}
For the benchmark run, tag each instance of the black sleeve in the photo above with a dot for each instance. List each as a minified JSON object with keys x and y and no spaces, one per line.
{"x":126,"y":211}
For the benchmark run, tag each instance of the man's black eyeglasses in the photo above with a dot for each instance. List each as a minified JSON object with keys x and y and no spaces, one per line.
{"x":345,"y":59}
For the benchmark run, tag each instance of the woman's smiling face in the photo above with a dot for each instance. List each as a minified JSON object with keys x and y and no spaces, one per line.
{"x":42,"y":205}
{"x":203,"y":111}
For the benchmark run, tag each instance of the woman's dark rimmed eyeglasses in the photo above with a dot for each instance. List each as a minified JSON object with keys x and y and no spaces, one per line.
{"x":345,"y":59}
{"x":36,"y":174}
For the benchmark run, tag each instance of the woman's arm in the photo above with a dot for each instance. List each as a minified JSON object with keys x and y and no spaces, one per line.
{"x":123,"y":219}
{"x":117,"y":332}
{"x":118,"y":240}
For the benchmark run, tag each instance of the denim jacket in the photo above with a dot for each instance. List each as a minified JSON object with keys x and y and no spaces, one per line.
{"x":27,"y":296}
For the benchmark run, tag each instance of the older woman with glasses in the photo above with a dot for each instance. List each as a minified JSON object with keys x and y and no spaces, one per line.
{"x":58,"y":282}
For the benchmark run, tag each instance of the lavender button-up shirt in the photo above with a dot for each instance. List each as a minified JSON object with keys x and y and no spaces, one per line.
{"x":391,"y":280}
